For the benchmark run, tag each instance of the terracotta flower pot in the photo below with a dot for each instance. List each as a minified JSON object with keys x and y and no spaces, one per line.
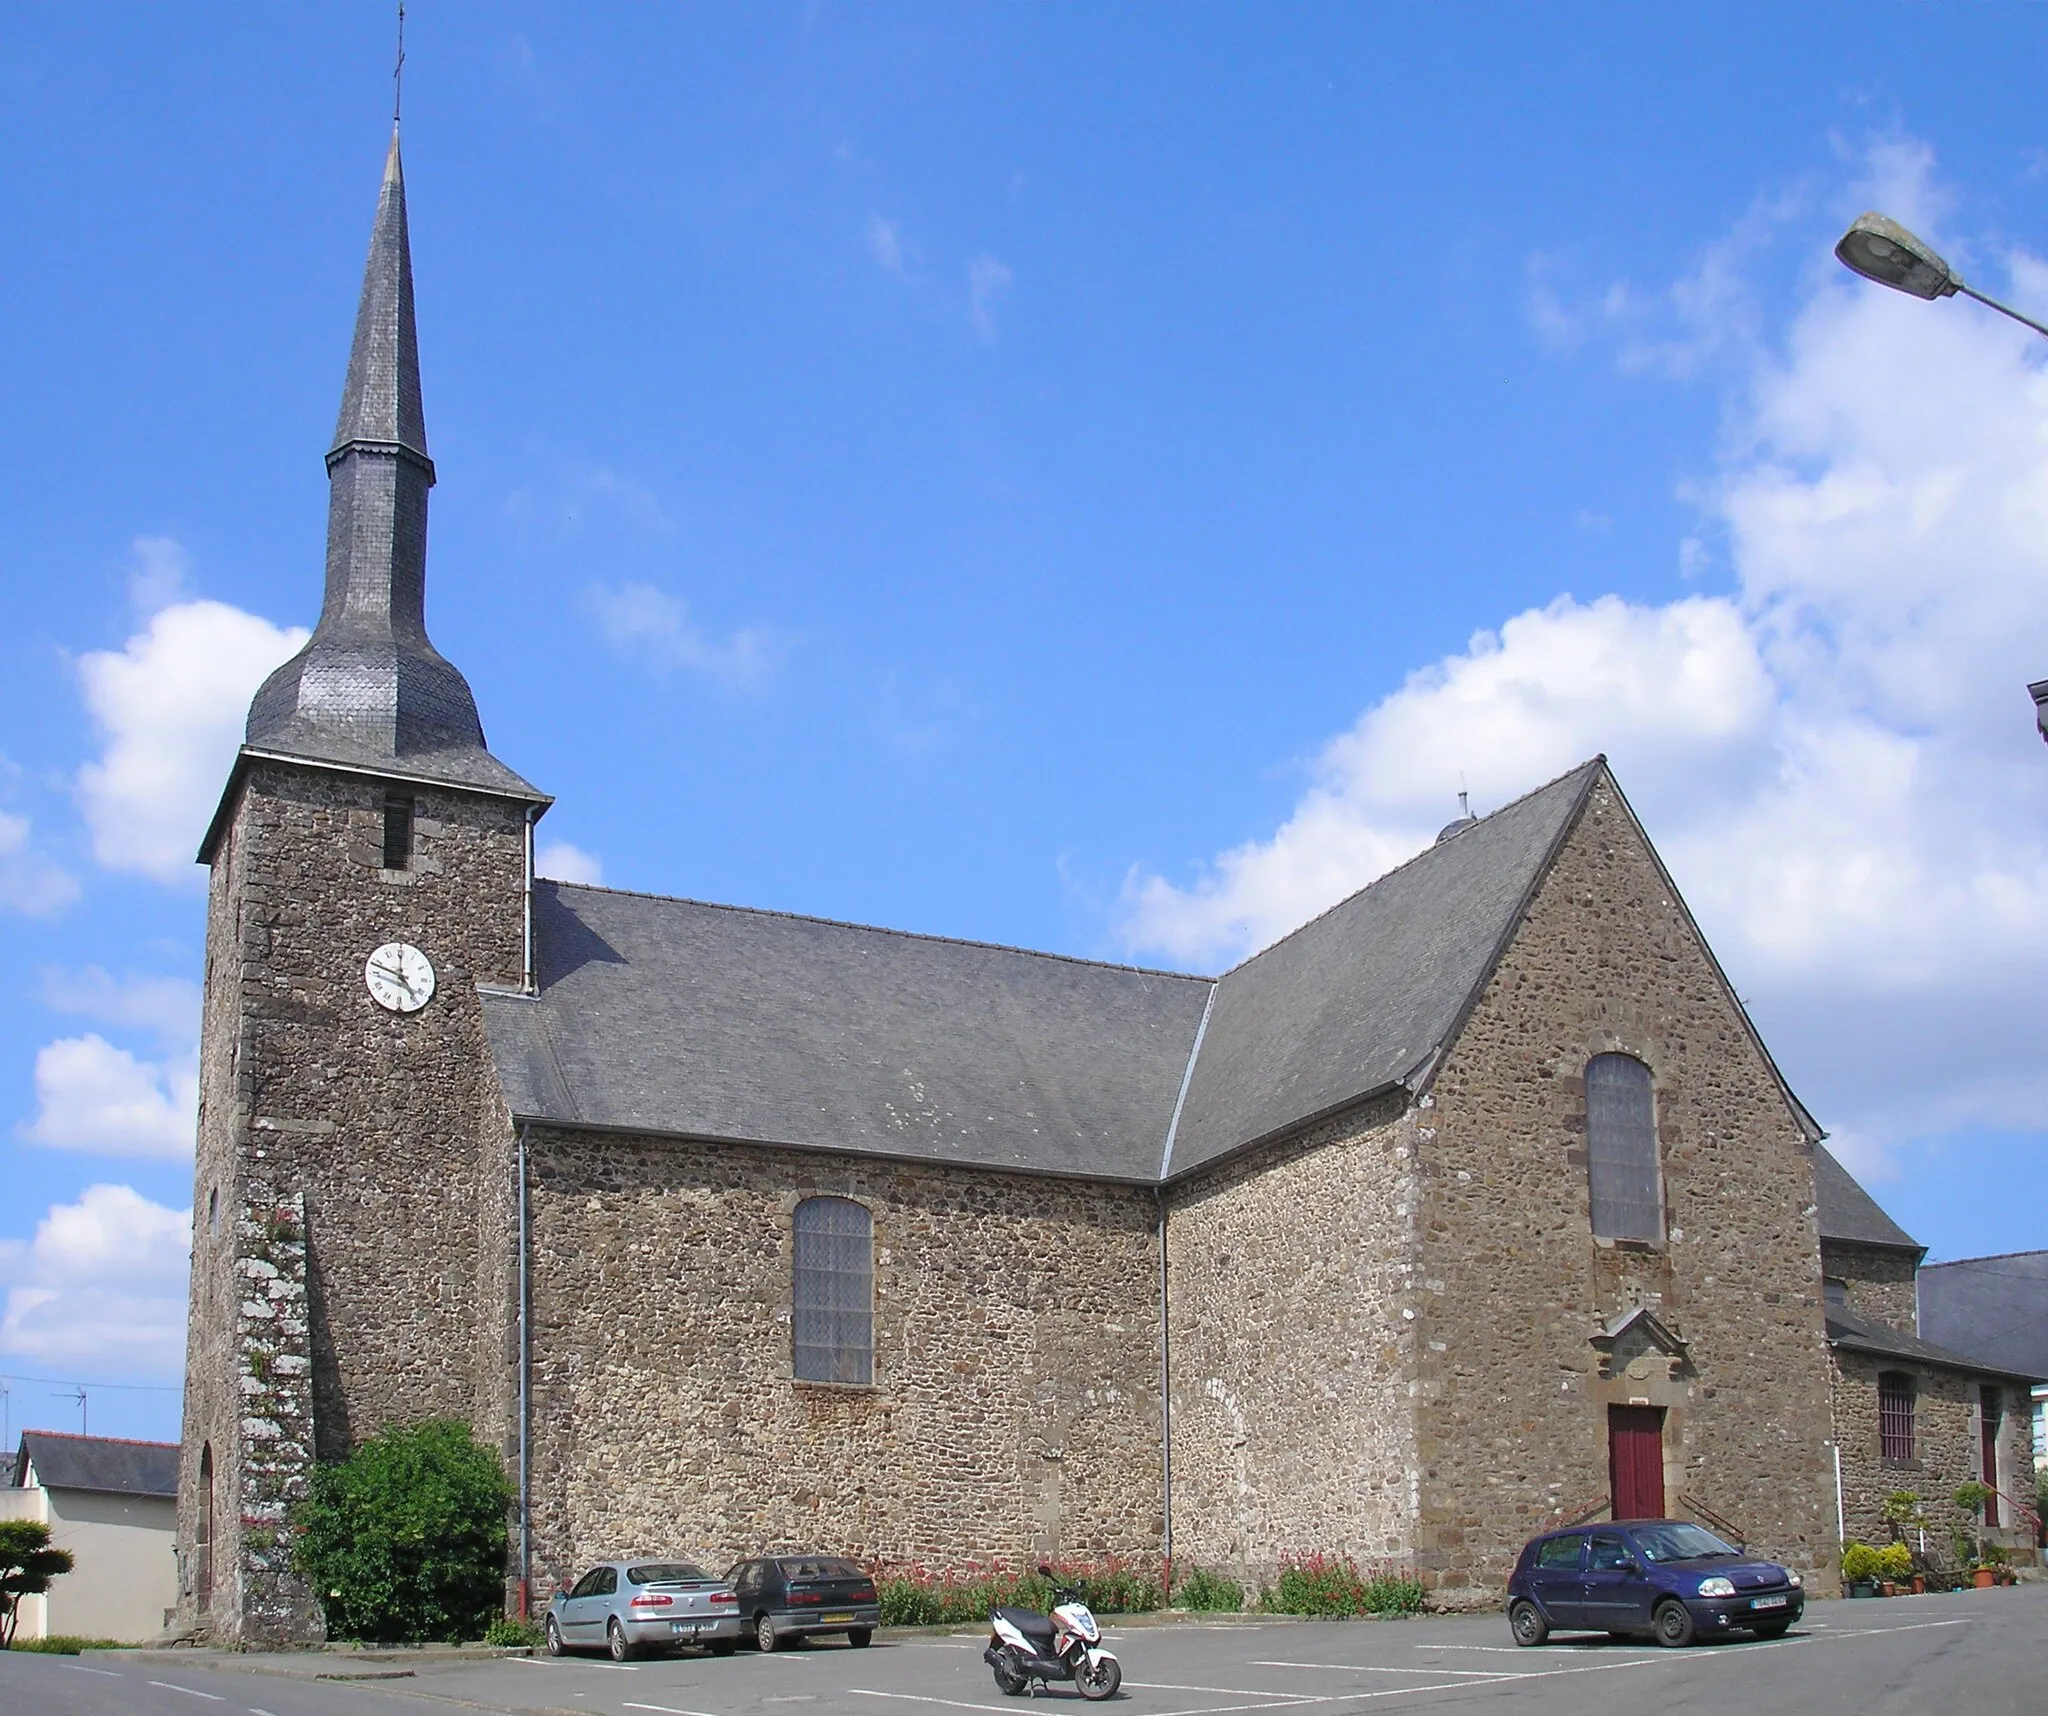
{"x":1919,"y":1584}
{"x":1885,"y":1588}
{"x":1983,"y":1578}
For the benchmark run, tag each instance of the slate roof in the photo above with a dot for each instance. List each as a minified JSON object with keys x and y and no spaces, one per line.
{"x":369,"y":690}
{"x":1996,"y":1306}
{"x":104,"y":1463}
{"x":1861,"y":1334}
{"x":1365,"y":997}
{"x":1850,"y":1214}
{"x":710,"y":1021}
{"x":676,"y":1017}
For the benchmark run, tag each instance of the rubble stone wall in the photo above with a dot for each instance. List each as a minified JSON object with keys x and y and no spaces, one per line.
{"x":1290,"y":1276}
{"x":1512,"y":1286}
{"x":367,"y":1121}
{"x":1015,"y":1407}
{"x":1878,"y":1279}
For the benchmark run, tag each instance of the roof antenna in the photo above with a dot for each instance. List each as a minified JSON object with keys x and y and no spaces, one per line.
{"x":76,"y":1393}
{"x":398,"y":70}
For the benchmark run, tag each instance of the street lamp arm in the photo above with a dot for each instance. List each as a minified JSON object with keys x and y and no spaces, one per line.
{"x":1969,"y":291}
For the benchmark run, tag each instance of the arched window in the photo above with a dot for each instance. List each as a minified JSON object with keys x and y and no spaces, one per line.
{"x":202,"y":1534}
{"x":833,"y":1297}
{"x":1895,"y":1414}
{"x":1621,"y":1149}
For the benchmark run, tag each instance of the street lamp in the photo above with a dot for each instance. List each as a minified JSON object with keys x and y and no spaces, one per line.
{"x":1880,"y":249}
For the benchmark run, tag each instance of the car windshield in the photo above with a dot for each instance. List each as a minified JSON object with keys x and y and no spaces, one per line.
{"x":1678,"y":1542}
{"x":665,"y":1572}
{"x":821,"y":1569}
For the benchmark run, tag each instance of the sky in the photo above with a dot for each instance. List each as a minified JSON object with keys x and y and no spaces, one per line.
{"x":1100,"y":479}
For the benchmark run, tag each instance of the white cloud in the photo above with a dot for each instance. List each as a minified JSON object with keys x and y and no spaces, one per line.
{"x":159,"y":568}
{"x":93,"y":1096}
{"x":1836,"y":756}
{"x":987,"y":280}
{"x":885,"y":245}
{"x":166,"y":1006}
{"x":642,"y":621}
{"x":31,"y":882}
{"x":170,"y":707}
{"x":566,"y":863}
{"x":101,"y":1285}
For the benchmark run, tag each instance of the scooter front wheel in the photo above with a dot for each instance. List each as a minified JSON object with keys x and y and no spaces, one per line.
{"x":1098,"y":1679}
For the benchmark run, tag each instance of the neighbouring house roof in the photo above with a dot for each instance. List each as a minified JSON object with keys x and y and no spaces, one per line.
{"x":1996,"y":1306}
{"x":106,"y":1463}
{"x":1861,"y":1334}
{"x":675,"y":1017}
{"x":1848,"y":1213}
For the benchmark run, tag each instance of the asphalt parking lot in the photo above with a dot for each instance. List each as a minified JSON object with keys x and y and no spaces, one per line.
{"x":1985,"y":1652}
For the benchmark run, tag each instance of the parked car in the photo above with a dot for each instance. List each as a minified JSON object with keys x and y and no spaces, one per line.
{"x":785,"y":1597}
{"x":1667,"y":1579}
{"x":630,"y":1606}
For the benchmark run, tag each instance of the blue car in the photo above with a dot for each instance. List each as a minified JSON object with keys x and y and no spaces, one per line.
{"x":1666,"y":1579}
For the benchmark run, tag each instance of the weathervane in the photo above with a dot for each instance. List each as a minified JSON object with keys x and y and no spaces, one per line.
{"x":398,"y":70}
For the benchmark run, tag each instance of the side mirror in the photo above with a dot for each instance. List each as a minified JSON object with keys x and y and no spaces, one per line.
{"x":1044,"y":1572}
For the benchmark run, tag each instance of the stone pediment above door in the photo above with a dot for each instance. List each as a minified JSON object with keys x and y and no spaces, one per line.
{"x":1638,"y":1346}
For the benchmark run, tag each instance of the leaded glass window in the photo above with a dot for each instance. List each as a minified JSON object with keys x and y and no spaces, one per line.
{"x":833,"y":1328}
{"x":1621,"y":1149}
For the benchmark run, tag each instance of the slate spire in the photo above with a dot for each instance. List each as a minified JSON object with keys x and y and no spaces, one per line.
{"x":369,"y":689}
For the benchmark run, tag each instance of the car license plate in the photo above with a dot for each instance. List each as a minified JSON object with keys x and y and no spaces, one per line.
{"x":682,"y":1626}
{"x":1767,"y":1602}
{"x":838,"y":1615}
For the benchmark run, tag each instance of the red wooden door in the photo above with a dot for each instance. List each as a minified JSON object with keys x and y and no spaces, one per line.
{"x":1635,"y":1461}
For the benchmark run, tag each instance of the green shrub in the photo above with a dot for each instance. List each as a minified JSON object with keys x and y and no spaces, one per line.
{"x":1210,"y":1592}
{"x":1860,"y":1561}
{"x":64,"y":1644}
{"x":507,"y":1631}
{"x":404,"y":1541}
{"x":1895,"y":1562}
{"x":918,"y":1597}
{"x":1321,"y":1584}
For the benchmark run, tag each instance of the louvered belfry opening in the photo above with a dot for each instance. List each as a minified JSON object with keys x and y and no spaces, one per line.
{"x":833,"y":1298}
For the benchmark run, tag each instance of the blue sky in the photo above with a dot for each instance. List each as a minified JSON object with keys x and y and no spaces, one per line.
{"x":1093,"y":478}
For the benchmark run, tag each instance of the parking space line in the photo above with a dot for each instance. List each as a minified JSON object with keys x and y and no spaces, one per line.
{"x":190,"y":1692}
{"x":1381,"y":1668}
{"x":668,"y":1710}
{"x":1908,"y":1627}
{"x":80,"y":1668}
{"x":1227,"y":1691}
{"x":921,"y":1698}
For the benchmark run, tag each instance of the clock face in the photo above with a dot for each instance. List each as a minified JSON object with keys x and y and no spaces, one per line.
{"x":400,"y":977}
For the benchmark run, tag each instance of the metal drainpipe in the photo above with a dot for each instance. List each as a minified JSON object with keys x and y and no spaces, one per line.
{"x":1841,"y":1515}
{"x":526,"y":957}
{"x":525,"y":1398}
{"x":1165,"y":1411}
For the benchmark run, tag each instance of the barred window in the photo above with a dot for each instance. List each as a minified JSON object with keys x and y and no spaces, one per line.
{"x":833,"y":1329}
{"x":1895,"y":1415}
{"x":1621,"y":1149}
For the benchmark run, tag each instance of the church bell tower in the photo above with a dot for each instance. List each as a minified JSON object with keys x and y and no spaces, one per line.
{"x":371,"y":869}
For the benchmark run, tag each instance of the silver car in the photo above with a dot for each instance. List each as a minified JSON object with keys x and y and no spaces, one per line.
{"x":626,"y":1607}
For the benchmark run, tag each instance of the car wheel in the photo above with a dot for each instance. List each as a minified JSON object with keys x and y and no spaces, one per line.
{"x":1099,"y":1679}
{"x":858,"y":1637}
{"x":724,"y":1647}
{"x":1526,"y":1622}
{"x":552,"y":1638}
{"x":1674,"y":1625}
{"x":1771,"y":1629}
{"x":765,"y":1634}
{"x":615,"y":1638}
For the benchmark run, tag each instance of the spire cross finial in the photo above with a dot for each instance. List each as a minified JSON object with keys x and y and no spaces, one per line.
{"x":398,"y":70}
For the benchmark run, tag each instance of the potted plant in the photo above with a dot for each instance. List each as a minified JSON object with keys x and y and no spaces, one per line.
{"x":1894,"y":1567}
{"x":1860,"y":1564}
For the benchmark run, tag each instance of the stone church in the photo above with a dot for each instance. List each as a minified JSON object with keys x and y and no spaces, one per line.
{"x":1473,"y":1205}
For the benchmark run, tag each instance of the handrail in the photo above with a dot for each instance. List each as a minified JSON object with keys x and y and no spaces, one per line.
{"x":1720,"y":1522}
{"x":1586,"y":1511}
{"x":2018,"y":1507}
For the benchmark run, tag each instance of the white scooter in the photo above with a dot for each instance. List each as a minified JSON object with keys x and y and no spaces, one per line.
{"x":1065,"y":1645}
